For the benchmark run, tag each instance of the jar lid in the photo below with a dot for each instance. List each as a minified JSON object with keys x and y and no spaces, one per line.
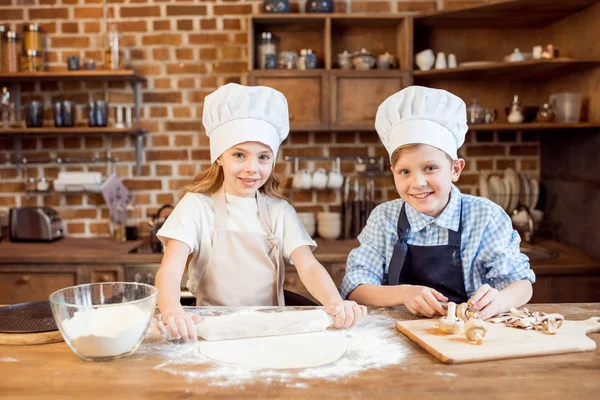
{"x":10,"y":36}
{"x":32,"y":53}
{"x":266,"y":35}
{"x":32,"y":28}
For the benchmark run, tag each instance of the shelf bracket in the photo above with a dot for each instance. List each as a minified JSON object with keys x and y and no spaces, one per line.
{"x":139,"y":141}
{"x":17,"y":149}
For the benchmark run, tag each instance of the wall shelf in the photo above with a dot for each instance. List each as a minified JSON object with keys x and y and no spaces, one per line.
{"x":76,"y":130}
{"x":102,"y":75}
{"x":529,"y":69}
{"x":537,"y":126}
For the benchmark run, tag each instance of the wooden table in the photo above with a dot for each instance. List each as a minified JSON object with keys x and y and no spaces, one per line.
{"x":53,"y":371}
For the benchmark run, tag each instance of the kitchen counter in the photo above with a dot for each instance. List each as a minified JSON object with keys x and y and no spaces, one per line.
{"x":53,"y":371}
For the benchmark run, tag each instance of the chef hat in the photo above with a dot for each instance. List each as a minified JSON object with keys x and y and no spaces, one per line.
{"x":235,"y":114}
{"x":418,"y":114}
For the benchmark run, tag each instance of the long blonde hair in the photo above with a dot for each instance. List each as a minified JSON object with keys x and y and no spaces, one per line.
{"x":210,"y":180}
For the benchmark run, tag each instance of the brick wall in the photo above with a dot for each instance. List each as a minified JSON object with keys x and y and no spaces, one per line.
{"x":187,"y":49}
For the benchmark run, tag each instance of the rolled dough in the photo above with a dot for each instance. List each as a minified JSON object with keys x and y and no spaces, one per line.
{"x":279,"y":352}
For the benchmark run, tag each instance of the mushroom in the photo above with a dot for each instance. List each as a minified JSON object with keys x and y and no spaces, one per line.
{"x":465,"y":311}
{"x":450,"y":324}
{"x":475,"y":330}
{"x":524,"y":319}
{"x":551,"y":323}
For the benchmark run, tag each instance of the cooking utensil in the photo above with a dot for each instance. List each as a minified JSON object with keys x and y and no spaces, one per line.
{"x":28,"y":323}
{"x":347,"y":210}
{"x":356,"y":207}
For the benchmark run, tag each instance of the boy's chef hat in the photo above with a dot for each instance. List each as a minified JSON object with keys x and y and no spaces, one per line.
{"x":418,"y":114}
{"x":235,"y":114}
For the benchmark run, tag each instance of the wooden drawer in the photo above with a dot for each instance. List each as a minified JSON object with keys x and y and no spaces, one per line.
{"x":104,"y":273}
{"x":33,"y":284}
{"x":355,"y":96}
{"x":306,"y":93}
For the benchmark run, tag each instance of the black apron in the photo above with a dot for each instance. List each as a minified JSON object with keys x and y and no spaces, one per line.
{"x":437,"y":267}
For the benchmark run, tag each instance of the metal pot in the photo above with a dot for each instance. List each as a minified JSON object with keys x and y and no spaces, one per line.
{"x":156,"y":223}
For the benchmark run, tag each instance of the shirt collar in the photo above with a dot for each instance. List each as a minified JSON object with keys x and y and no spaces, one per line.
{"x":449,"y":218}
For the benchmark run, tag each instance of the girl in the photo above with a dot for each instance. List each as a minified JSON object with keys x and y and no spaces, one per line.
{"x":233,"y":227}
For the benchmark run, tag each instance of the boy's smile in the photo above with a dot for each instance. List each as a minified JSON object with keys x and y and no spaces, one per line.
{"x":423,"y":177}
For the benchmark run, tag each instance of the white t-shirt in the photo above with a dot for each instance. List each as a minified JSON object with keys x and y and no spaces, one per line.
{"x":193,"y":219}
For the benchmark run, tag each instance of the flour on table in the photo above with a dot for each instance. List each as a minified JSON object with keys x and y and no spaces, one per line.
{"x":116,"y":329}
{"x":373,"y":344}
{"x":8,"y":359}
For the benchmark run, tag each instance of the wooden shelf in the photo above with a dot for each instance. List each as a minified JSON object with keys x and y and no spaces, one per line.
{"x":505,"y":14}
{"x":76,"y":130}
{"x":286,"y":73}
{"x":533,"y":126}
{"x":58,"y":192}
{"x":120,"y":75}
{"x":529,"y":69}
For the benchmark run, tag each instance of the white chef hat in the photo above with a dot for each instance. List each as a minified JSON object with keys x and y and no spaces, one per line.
{"x":418,"y":114}
{"x":235,"y":114}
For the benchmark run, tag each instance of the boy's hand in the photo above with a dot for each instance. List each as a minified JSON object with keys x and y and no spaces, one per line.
{"x":347,"y":313}
{"x":487,"y":300}
{"x":422,"y":300}
{"x":179,"y":325}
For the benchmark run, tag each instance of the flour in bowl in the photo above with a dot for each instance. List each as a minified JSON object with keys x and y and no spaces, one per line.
{"x":106,"y":331}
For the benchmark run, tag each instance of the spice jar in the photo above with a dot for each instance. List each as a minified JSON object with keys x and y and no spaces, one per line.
{"x":32,"y":60}
{"x":33,"y":38}
{"x":265,"y":47}
{"x":10,"y":52}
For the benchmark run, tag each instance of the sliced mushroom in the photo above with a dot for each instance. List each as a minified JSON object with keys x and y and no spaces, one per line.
{"x":524,"y":319}
{"x":450,"y":324}
{"x":465,"y":311}
{"x":475,"y":330}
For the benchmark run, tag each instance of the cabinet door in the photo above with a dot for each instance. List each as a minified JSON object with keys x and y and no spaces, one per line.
{"x":22,"y":284}
{"x":104,"y":273}
{"x":355,"y":96}
{"x":306,"y":93}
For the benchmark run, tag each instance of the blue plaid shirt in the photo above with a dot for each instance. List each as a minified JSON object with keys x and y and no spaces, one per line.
{"x":489,"y":244}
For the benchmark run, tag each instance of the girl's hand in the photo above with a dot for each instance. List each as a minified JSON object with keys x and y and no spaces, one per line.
{"x":487,"y":300}
{"x":347,"y":313}
{"x":179,"y":325}
{"x":422,"y":300}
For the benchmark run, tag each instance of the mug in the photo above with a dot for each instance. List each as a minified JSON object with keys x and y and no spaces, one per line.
{"x":319,"y":179}
{"x":335,"y":179}
{"x":440,"y":61}
{"x":302,"y":179}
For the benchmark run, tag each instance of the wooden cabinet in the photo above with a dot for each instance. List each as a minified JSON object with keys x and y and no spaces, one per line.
{"x":355,"y":96}
{"x":306,"y":93}
{"x":33,"y":283}
{"x":104,"y":273}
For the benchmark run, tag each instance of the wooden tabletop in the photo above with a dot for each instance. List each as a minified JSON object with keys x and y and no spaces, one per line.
{"x":53,"y":371}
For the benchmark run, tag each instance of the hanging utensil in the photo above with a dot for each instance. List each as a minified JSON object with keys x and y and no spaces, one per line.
{"x":347,"y":210}
{"x":356,"y":206}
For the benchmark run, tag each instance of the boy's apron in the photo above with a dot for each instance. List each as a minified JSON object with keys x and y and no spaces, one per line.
{"x":437,"y":267}
{"x":244,"y":268}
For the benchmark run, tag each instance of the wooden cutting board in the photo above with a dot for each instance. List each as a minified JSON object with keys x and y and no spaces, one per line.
{"x":23,"y":339}
{"x":501,"y":341}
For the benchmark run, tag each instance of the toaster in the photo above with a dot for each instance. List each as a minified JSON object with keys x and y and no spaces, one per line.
{"x":35,"y":224}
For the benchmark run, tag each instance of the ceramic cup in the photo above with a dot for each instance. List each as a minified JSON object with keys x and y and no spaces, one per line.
{"x":302,"y":179}
{"x":452,"y":61}
{"x":425,"y":60}
{"x":319,"y":179}
{"x":335,"y":180}
{"x":440,"y":61}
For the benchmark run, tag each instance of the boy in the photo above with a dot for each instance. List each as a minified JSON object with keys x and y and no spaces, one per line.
{"x":434,"y":244}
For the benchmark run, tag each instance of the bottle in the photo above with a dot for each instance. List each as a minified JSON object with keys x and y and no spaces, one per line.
{"x":515,"y":116}
{"x":265,"y":47}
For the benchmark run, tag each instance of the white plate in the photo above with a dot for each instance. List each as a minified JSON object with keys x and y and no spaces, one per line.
{"x":507,"y":195}
{"x":496,"y":187}
{"x":511,"y":175}
{"x":535,"y":193}
{"x":484,"y":190}
{"x":524,"y":190}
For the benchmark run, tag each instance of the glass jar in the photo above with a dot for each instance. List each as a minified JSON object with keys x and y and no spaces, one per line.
{"x":33,"y":38}
{"x":475,"y":112}
{"x":113,"y":56}
{"x":32,"y":60}
{"x":266,"y":47}
{"x":10,"y":52}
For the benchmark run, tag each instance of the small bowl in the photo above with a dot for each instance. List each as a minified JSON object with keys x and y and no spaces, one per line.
{"x":529,"y":112}
{"x":104,"y":321}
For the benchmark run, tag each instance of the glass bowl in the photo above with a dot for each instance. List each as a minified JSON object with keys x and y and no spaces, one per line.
{"x":104,"y":321}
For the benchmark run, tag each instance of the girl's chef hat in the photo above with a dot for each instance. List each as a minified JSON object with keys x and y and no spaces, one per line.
{"x":235,"y":114}
{"x":418,"y":114}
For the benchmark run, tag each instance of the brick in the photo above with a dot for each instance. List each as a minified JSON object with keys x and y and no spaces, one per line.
{"x":473,"y":151}
{"x":198,"y":96}
{"x":503,"y":164}
{"x":70,"y":42}
{"x":484,"y":164}
{"x":183,"y":125}
{"x":240,"y":38}
{"x":174,"y":10}
{"x":208,"y":24}
{"x":349,"y":151}
{"x":163,"y":25}
{"x":208,"y":54}
{"x":11,"y":187}
{"x":74,"y":200}
{"x":185,"y":25}
{"x":75,"y":227}
{"x":164,"y":39}
{"x":132,"y":26}
{"x":166,"y":198}
{"x":186,"y":170}
{"x":507,"y":137}
{"x":341,"y":137}
{"x":232,"y":9}
{"x":78,"y":213}
{"x":186,"y":83}
{"x":185,"y":54}
{"x":232,"y":24}
{"x":469,"y":179}
{"x":160,"y":140}
{"x":72,"y":143}
{"x":421,"y":6}
{"x":305,"y":151}
{"x":484,"y":137}
{"x":133,"y":12}
{"x":183,"y":140}
{"x":230,"y":67}
{"x":201,"y":155}
{"x":162,"y":155}
{"x":42,"y":2}
{"x":145,"y":184}
{"x":70,"y":27}
{"x":231,"y":53}
{"x":93,"y":142}
{"x":523,"y":150}
{"x":164,"y":170}
{"x":208,"y":38}
{"x":371,"y":6}
{"x":7,"y":15}
{"x":162,"y":97}
{"x":182,"y":112}
{"x":186,"y":68}
{"x":368,"y":137}
{"x":88,"y":12}
{"x":99,"y":228}
{"x":47,"y":13}
{"x":177,"y":184}
{"x":162,"y":53}
{"x":163,"y":83}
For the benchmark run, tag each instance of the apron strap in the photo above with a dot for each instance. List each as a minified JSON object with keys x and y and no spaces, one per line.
{"x":400,"y":249}
{"x":263,"y":213}
{"x":454,"y":236}
{"x":220,"y":206}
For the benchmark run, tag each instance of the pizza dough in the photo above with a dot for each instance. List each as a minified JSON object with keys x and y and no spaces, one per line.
{"x":279,"y":352}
